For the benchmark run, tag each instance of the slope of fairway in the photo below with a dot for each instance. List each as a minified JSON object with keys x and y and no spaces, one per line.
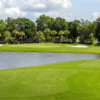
{"x":50,"y":47}
{"x":75,"y":80}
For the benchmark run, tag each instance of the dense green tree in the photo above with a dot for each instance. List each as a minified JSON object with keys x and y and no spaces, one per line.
{"x":77,"y":24}
{"x":44,"y":22}
{"x":53,"y":33}
{"x":84,"y":31}
{"x":46,"y":33}
{"x":91,"y":26}
{"x":11,"y":25}
{"x":39,"y":34}
{"x":0,"y":36}
{"x":3,"y":26}
{"x":98,"y":29}
{"x":92,"y":38}
{"x":27,"y":26}
{"x":7,"y":34}
{"x":60,"y":24}
{"x":66,"y":33}
{"x":60,"y":34}
{"x":73,"y":31}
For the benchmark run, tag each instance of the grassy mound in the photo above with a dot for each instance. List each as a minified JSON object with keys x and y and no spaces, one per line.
{"x":50,"y":47}
{"x":75,"y":80}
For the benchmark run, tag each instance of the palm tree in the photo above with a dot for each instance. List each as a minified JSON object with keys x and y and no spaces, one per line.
{"x":66,"y":32}
{"x":53,"y":32}
{"x":21,"y":34}
{"x":15,"y":32}
{"x":0,"y":36}
{"x":46,"y":33}
{"x":39,"y":35}
{"x":6,"y":35}
{"x":60,"y":34}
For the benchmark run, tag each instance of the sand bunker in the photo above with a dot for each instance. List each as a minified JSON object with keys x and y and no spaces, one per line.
{"x":78,"y":46}
{"x":1,"y":45}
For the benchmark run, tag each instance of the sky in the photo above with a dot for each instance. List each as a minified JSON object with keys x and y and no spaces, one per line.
{"x":68,"y":9}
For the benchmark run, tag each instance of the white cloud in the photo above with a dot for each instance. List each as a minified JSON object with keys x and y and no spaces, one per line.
{"x":0,"y":5}
{"x":14,"y":12}
{"x":31,"y":7}
{"x":39,"y":6}
{"x":9,"y":8}
{"x":10,"y":3}
{"x":66,"y":4}
{"x":96,"y":15}
{"x":34,"y":8}
{"x":62,"y":3}
{"x":45,"y":4}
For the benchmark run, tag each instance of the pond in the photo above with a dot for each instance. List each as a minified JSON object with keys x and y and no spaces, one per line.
{"x":23,"y":59}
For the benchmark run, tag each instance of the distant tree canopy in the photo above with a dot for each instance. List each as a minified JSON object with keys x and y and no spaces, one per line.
{"x":48,"y":28}
{"x":26,"y":25}
{"x":3,"y":26}
{"x":98,"y":29}
{"x":60,"y":24}
{"x":73,"y":31}
{"x":21,"y":24}
{"x":44,"y":22}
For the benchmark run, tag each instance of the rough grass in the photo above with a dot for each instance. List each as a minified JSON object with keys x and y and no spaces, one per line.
{"x":49,"y":47}
{"x":75,"y":80}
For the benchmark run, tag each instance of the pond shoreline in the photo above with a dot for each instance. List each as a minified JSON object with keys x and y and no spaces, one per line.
{"x":51,"y":52}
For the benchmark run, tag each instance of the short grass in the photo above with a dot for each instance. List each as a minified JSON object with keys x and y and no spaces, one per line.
{"x":74,"y":80}
{"x":49,"y":47}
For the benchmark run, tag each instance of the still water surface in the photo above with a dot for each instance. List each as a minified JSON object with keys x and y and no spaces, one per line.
{"x":23,"y":59}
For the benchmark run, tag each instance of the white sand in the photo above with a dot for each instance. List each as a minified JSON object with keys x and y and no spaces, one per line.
{"x":1,"y":45}
{"x":78,"y":46}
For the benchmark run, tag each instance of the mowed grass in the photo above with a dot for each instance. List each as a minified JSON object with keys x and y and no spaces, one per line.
{"x":49,"y":47}
{"x":74,"y":80}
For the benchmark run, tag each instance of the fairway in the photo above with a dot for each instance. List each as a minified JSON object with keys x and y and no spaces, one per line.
{"x":74,"y":80}
{"x":50,"y":47}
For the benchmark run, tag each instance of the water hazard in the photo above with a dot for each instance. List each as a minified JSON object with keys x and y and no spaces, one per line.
{"x":23,"y":59}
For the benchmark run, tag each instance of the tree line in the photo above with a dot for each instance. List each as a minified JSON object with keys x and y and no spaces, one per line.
{"x":49,"y":29}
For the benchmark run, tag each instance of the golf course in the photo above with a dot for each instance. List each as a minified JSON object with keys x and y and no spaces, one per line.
{"x":72,"y":80}
{"x":49,"y":49}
